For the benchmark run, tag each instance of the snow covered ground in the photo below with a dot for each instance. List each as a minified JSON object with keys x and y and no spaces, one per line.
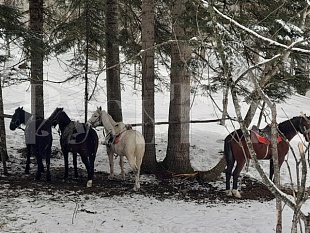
{"x":135,"y":212}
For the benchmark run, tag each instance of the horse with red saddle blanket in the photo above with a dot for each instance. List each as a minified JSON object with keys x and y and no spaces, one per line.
{"x":236,"y":149}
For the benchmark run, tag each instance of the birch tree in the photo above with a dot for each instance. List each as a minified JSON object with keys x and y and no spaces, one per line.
{"x":260,"y":84}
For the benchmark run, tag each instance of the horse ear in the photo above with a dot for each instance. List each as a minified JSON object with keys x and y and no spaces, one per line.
{"x":100,"y":108}
{"x":21,"y":108}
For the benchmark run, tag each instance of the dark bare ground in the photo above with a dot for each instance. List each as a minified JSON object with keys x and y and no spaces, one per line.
{"x":188,"y":188}
{"x":161,"y":186}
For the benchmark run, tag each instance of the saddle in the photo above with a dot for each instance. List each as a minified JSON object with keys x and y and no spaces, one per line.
{"x":119,"y":128}
{"x":75,"y":133}
{"x":262,"y":135}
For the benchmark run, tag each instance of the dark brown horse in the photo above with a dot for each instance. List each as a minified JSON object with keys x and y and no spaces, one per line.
{"x":77,"y":138}
{"x":38,"y":139}
{"x":236,"y":150}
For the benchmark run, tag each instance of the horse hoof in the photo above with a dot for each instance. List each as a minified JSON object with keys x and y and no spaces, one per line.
{"x":236,"y":193}
{"x":228,"y":193}
{"x":89,"y":184}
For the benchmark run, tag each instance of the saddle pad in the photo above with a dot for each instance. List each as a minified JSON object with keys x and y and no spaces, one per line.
{"x":263,"y":139}
{"x":117,"y":139}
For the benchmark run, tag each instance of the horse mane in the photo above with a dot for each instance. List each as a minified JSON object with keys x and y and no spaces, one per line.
{"x":64,"y":118}
{"x":291,"y":125}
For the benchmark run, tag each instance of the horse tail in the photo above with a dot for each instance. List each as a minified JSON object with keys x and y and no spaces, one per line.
{"x":228,"y":152}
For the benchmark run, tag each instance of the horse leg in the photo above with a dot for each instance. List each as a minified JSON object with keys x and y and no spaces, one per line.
{"x":76,"y":175}
{"x":86,"y":162}
{"x":229,"y":168}
{"x":236,"y":175}
{"x":271,"y":170}
{"x":28,"y":159}
{"x":65,"y":153}
{"x":48,"y":163}
{"x":39,"y":162}
{"x":91,"y":170}
{"x":230,"y":162}
{"x":136,"y":169}
{"x":111,"y":162}
{"x":137,"y":180}
{"x":139,"y":159}
{"x":121,"y":164}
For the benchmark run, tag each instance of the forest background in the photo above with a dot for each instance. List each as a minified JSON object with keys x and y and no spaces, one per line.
{"x":256,"y":50}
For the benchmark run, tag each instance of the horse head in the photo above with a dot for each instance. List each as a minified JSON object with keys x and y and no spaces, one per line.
{"x":304,"y":126}
{"x":95,"y":119}
{"x":54,"y":117}
{"x":18,"y":118}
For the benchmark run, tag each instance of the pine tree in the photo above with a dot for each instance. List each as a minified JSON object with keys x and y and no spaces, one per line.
{"x":177,"y":156}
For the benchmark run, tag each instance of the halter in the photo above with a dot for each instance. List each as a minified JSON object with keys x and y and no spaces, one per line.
{"x":17,"y":123}
{"x":98,"y":118}
{"x":18,"y":127}
{"x":302,"y":129}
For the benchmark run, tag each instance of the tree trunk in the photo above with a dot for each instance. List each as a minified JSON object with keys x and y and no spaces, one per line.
{"x":274,"y":148}
{"x":149,"y":163}
{"x":86,"y":61}
{"x":37,"y":54}
{"x":112,"y":61}
{"x":177,"y":158}
{"x":3,"y":151}
{"x":214,"y":173}
{"x":225,"y":104}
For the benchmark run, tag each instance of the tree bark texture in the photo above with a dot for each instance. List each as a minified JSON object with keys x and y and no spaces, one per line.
{"x":177,"y":157}
{"x":112,"y":61}
{"x":36,"y":56}
{"x":149,"y":163}
{"x":3,"y":149}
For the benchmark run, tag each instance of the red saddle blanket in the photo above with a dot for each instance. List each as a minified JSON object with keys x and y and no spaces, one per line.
{"x":117,"y":139}
{"x":261,"y":138}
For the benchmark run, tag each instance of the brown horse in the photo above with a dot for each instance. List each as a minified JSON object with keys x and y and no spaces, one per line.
{"x":77,"y":138}
{"x":236,"y":150}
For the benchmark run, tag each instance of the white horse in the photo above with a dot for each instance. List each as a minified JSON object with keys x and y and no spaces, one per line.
{"x":124,"y":141}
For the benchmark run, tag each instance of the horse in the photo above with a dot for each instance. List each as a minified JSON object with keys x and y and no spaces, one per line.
{"x":236,"y":150}
{"x":77,"y":138}
{"x":38,"y":139}
{"x":125,"y":142}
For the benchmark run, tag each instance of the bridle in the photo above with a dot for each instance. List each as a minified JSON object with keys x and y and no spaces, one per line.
{"x":97,"y":118}
{"x":302,"y":128}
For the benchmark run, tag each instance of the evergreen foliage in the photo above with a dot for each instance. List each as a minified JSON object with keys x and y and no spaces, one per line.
{"x":75,"y":21}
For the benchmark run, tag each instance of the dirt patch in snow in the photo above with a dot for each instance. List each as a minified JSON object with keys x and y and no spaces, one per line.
{"x":188,"y":189}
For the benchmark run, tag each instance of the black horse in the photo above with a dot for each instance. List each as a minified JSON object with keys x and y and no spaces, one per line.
{"x":38,"y":139}
{"x":77,"y":138}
